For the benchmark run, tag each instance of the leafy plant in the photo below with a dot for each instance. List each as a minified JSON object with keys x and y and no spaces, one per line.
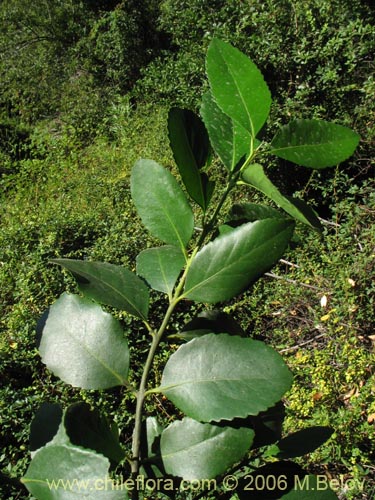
{"x":228,"y":387}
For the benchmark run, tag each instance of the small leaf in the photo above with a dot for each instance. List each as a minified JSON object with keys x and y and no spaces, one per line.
{"x":237,"y":86}
{"x":45,"y":425}
{"x":161,"y":203}
{"x":109,"y":284}
{"x":191,"y":148}
{"x":221,"y":377}
{"x":314,"y":143}
{"x":300,"y":443}
{"x":160,"y":267}
{"x":89,"y":429}
{"x":230,"y":140}
{"x":255,"y":176}
{"x":193,"y":450}
{"x":227,"y":265}
{"x":83,"y":345}
{"x":64,"y":472}
{"x":213,"y":321}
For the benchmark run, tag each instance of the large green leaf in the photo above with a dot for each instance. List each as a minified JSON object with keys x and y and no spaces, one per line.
{"x":109,"y":284}
{"x":255,"y":176}
{"x":314,"y":143}
{"x":64,"y":472}
{"x":191,"y":149}
{"x":238,"y":86}
{"x":87,"y":428}
{"x":221,"y":377}
{"x":229,"y":139}
{"x":161,"y":203}
{"x":160,"y":267}
{"x":227,"y":265}
{"x":193,"y":450}
{"x":83,"y":345}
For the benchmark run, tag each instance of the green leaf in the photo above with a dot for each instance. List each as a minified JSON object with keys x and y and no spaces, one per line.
{"x":109,"y":284}
{"x":45,"y":425}
{"x":227,"y":265}
{"x":300,"y":443}
{"x":83,"y":345}
{"x":221,"y":377}
{"x":268,"y":425}
{"x":63,"y":472}
{"x":230,"y":140}
{"x":160,"y":267}
{"x":250,"y":212}
{"x":314,"y":143}
{"x":255,"y":176}
{"x":238,"y":86}
{"x":191,"y":148}
{"x":150,"y":451}
{"x":193,"y":450}
{"x":161,"y":203}
{"x":89,"y":429}
{"x":311,"y":488}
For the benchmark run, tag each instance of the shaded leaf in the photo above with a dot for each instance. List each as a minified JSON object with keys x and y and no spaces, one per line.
{"x":250,"y":212}
{"x":83,"y":345}
{"x":221,"y":377}
{"x":191,"y":148}
{"x":193,"y":450}
{"x":109,"y":284}
{"x":301,"y":442}
{"x":314,"y":143}
{"x":161,"y":203}
{"x":255,"y":176}
{"x":227,"y":265}
{"x":212,"y":321}
{"x":230,"y":140}
{"x":63,"y":472}
{"x":87,"y":428}
{"x":45,"y":424}
{"x":160,"y":267}
{"x":268,"y":425}
{"x":237,"y":86}
{"x":310,"y":488}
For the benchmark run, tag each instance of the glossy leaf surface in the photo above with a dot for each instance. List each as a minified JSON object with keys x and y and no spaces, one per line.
{"x":109,"y":284}
{"x":63,"y":472}
{"x":230,"y":140}
{"x":227,"y":265}
{"x":193,"y":450}
{"x":191,"y":148}
{"x":314,"y":143}
{"x":221,"y":377}
{"x":255,"y":176}
{"x":83,"y":345}
{"x":160,"y":267}
{"x":238,"y":86}
{"x":161,"y":203}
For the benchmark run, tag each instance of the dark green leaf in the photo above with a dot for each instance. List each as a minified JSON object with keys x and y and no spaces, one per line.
{"x":301,"y":442}
{"x":314,"y":143}
{"x":230,"y":140}
{"x":268,"y":425}
{"x":193,"y":450}
{"x":83,"y":345}
{"x":45,"y":425}
{"x":221,"y":377}
{"x":89,"y":429}
{"x":64,"y":472}
{"x":191,"y":147}
{"x":227,"y":265}
{"x":250,"y":212}
{"x":160,"y":267}
{"x":255,"y":176}
{"x":109,"y":284}
{"x":238,"y":86}
{"x":311,"y":488}
{"x":161,"y":203}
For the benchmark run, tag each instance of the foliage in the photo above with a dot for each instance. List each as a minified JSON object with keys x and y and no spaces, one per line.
{"x":215,"y":378}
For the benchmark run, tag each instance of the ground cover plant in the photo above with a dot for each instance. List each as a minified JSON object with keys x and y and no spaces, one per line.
{"x":228,"y":387}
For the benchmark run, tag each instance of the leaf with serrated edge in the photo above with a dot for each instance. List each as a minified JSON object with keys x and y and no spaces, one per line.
{"x":193,"y":450}
{"x":238,"y":86}
{"x":221,"y":377}
{"x":227,"y":265}
{"x":161,"y":203}
{"x":83,"y":345}
{"x":314,"y":143}
{"x":109,"y":284}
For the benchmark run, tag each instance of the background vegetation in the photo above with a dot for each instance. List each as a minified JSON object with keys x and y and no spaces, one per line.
{"x":85,"y":90}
